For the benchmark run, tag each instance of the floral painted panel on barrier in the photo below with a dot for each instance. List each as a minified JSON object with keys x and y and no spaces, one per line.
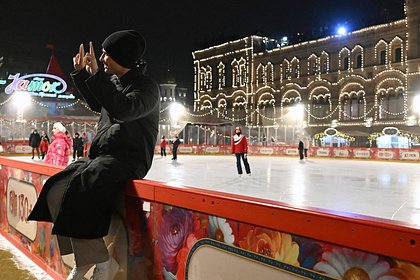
{"x":172,"y":232}
{"x":19,"y":191}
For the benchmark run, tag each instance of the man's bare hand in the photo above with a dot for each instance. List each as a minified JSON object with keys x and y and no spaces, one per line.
{"x":90,"y":60}
{"x":79,"y":59}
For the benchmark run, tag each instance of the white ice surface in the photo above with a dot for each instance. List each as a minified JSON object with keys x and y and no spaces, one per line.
{"x":387,"y":190}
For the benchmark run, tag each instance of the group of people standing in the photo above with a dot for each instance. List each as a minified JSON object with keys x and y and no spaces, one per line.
{"x":303,"y":147}
{"x":175,"y":143}
{"x":56,"y":152}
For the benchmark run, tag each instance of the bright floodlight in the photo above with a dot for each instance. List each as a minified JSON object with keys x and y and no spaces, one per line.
{"x":21,"y":99}
{"x":416,"y":104}
{"x":297,"y":112}
{"x":176,"y":111}
{"x":342,"y":30}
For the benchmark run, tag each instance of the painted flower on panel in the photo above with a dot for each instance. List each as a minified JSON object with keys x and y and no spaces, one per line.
{"x":272,"y":244}
{"x":220,"y":230}
{"x":310,"y":252}
{"x":349,"y":264}
{"x":405,"y":271}
{"x":176,"y":225}
{"x":183,"y":255}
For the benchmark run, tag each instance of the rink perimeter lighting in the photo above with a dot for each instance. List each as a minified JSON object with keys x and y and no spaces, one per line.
{"x":297,"y":112}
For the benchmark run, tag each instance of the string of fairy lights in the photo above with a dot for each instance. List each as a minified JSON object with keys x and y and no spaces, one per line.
{"x":387,"y":66}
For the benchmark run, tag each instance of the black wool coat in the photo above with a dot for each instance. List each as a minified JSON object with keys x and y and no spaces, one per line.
{"x":34,"y":140}
{"x":122,"y":150}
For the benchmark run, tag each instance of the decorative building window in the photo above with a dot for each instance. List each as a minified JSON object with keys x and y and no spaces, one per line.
{"x":262,"y":78}
{"x":286,"y":71}
{"x":314,"y":67}
{"x":344,"y":59}
{"x":209,"y":78}
{"x":270,"y":72}
{"x":382,"y":57}
{"x":357,"y":54}
{"x":391,"y":105}
{"x":345,"y":63}
{"x":242,"y":75}
{"x":396,"y":49}
{"x":325,"y":67}
{"x":324,"y":62}
{"x":235,"y":73}
{"x":260,"y":74}
{"x":356,"y":106}
{"x":202,"y":78}
{"x":353,"y":106}
{"x":295,"y":71}
{"x":295,"y":68}
{"x":398,"y":55}
{"x":381,"y":52}
{"x":346,"y":107}
{"x":359,"y":60}
{"x":320,"y":106}
{"x":221,"y":75}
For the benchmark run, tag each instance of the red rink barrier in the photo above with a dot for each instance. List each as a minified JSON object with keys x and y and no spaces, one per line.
{"x":163,"y":232}
{"x":327,"y":152}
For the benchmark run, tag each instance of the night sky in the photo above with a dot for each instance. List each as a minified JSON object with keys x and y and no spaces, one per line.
{"x":173,"y":29}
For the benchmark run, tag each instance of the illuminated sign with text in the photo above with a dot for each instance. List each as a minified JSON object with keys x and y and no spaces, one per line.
{"x":41,"y":85}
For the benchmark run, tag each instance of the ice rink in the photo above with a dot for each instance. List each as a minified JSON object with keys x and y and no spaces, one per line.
{"x":389,"y":190}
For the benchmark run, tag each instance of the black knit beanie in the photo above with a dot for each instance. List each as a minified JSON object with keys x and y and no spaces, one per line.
{"x":126,"y":47}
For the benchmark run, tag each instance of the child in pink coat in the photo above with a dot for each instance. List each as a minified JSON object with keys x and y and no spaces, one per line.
{"x":58,"y":151}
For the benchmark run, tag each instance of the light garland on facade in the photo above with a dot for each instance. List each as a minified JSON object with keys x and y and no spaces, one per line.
{"x":254,"y":79}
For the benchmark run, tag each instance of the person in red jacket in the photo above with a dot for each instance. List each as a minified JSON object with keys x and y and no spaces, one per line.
{"x":240,"y":150}
{"x":163,"y":147}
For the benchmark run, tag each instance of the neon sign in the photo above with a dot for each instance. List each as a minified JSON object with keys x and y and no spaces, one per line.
{"x":42,"y":85}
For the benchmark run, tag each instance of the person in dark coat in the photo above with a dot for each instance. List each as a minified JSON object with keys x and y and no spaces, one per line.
{"x":175,"y":144}
{"x":34,"y":142}
{"x":81,"y":199}
{"x":77,"y":146}
{"x":300,"y":148}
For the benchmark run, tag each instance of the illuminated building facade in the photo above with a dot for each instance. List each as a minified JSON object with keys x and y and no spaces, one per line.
{"x":359,"y":84}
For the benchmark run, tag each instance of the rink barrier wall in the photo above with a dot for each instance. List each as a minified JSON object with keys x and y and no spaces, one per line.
{"x":163,"y":231}
{"x":387,"y":154}
{"x":394,"y":154}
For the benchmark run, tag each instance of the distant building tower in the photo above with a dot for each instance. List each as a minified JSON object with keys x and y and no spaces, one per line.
{"x":169,"y":92}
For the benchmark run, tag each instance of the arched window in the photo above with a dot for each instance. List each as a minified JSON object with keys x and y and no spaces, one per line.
{"x":324,"y":62}
{"x":295,"y":68}
{"x":344,"y":59}
{"x":358,"y":61}
{"x":270,"y":72}
{"x":286,"y":71}
{"x":320,"y":106}
{"x":313,"y":65}
{"x":346,"y":107}
{"x":391,"y":105}
{"x":397,"y":55}
{"x":221,"y":75}
{"x":346,"y":63}
{"x":382,"y":57}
